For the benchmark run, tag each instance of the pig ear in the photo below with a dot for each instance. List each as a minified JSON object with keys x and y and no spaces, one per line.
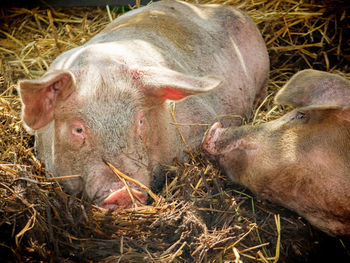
{"x":165,"y":84}
{"x":315,"y":89}
{"x":40,"y":96}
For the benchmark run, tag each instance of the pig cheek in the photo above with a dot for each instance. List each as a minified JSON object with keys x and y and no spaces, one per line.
{"x":235,"y":164}
{"x":95,"y":186}
{"x":69,"y":141}
{"x":142,"y":176}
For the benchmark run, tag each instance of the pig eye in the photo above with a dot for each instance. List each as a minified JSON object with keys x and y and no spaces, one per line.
{"x":78,"y":131}
{"x":302,"y":116}
{"x":78,"y":135}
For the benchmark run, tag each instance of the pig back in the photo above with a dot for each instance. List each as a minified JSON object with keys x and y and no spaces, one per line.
{"x":197,"y":40}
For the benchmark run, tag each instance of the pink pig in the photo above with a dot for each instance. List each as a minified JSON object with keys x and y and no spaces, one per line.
{"x":301,"y":160}
{"x":110,"y":99}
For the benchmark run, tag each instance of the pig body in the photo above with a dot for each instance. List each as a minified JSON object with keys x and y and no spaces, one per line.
{"x":302,"y":160}
{"x":110,"y":99}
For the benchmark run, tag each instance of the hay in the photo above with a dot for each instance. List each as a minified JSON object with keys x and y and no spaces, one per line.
{"x":200,"y":216}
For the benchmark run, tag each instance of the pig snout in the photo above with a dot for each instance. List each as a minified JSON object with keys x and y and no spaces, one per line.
{"x":123,"y":197}
{"x":219,"y":141}
{"x":209,"y":141}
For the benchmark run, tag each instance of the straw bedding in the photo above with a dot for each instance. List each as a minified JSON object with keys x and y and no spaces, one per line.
{"x":199,"y":215}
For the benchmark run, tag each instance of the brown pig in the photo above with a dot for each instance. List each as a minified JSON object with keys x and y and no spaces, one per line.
{"x":110,"y":99}
{"x":301,"y":160}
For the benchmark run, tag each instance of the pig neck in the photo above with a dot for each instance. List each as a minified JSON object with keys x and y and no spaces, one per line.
{"x":168,"y":140}
{"x":164,"y":140}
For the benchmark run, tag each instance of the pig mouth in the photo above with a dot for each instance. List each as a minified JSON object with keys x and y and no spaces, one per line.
{"x":125,"y":197}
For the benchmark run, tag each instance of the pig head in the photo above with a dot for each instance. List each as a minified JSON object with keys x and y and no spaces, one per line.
{"x":110,"y":100}
{"x":301,"y":160}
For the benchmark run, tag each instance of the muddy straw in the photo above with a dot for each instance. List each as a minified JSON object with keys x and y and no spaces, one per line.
{"x":199,"y":216}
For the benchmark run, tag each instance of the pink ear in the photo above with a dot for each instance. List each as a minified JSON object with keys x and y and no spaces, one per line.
{"x":171,"y":94}
{"x":166,"y":84}
{"x":314,"y":88}
{"x":39,"y":97}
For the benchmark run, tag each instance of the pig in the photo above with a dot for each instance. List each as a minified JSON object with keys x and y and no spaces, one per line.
{"x":111,"y":99}
{"x":301,"y":160}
